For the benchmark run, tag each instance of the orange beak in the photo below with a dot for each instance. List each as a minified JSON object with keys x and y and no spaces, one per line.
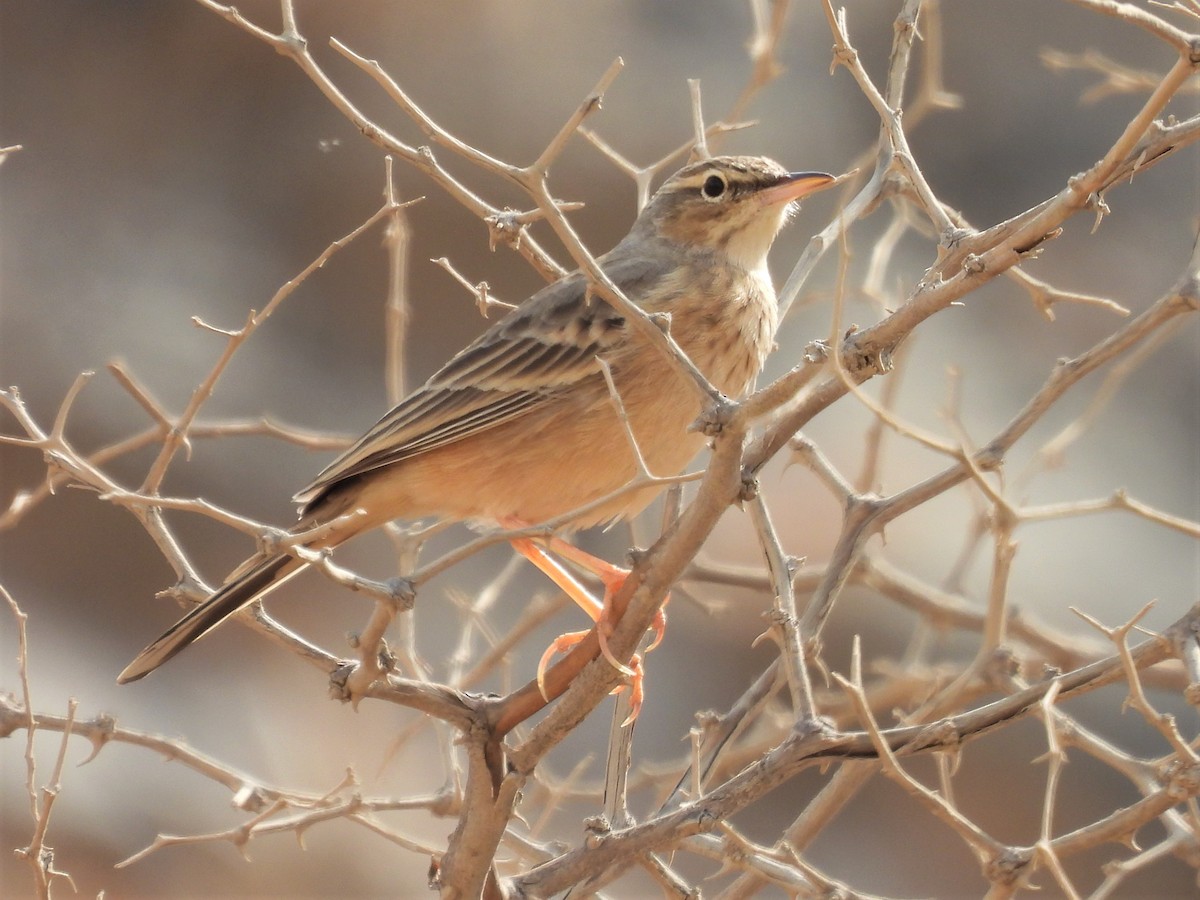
{"x":795,"y":185}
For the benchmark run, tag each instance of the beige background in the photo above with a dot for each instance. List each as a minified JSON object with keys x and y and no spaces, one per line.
{"x":175,"y":167}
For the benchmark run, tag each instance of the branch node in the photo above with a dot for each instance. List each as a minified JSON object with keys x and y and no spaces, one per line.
{"x":636,"y":556}
{"x":718,"y":414}
{"x":952,"y":237}
{"x":860,"y":361}
{"x":749,"y":487}
{"x":99,"y":731}
{"x":1191,"y":694}
{"x":1183,"y":780}
{"x":339,"y":681}
{"x":401,"y":592}
{"x":596,"y":829}
{"x":271,"y":541}
{"x":1003,"y":665}
{"x":843,"y":55}
{"x":251,"y":798}
{"x":1008,"y":867}
{"x":817,"y":727}
{"x":816,"y":351}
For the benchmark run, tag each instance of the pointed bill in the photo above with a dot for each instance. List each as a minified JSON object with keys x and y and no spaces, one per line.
{"x":795,"y":185}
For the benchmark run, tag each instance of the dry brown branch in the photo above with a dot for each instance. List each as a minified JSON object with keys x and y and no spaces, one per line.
{"x":38,"y":854}
{"x":942,"y":652}
{"x":396,"y":238}
{"x":481,"y":291}
{"x":803,"y":748}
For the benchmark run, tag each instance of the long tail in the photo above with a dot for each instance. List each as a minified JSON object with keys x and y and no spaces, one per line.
{"x":240,"y":592}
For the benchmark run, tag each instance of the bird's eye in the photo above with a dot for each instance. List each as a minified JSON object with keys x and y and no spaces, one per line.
{"x":713,"y":187}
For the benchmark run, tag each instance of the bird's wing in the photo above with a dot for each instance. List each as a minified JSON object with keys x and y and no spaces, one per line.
{"x":536,"y":352}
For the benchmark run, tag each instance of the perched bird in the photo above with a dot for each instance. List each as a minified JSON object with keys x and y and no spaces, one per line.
{"x":521,"y":426}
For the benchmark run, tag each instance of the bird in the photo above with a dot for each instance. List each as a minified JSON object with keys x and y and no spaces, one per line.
{"x":522,"y":426}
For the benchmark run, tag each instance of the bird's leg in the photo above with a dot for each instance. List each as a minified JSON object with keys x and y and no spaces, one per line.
{"x":613,"y":579}
{"x":555,"y":571}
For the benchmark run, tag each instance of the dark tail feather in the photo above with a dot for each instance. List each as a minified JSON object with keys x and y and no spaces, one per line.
{"x":243,"y":590}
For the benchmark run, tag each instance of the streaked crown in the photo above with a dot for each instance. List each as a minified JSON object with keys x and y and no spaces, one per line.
{"x":732,"y":203}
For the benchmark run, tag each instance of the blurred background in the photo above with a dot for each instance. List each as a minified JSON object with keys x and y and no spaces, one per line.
{"x":173,"y":166}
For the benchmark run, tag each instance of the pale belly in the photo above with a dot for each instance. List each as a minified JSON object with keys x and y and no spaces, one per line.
{"x":573,"y":453}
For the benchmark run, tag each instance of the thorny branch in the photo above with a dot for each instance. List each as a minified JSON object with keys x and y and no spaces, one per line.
{"x":1020,"y":668}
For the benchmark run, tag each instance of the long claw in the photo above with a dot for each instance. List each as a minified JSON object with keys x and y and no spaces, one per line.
{"x":613,"y":578}
{"x":634,"y":671}
{"x":603,"y":627}
{"x":659,"y":625}
{"x":560,"y":644}
{"x":636,"y":692}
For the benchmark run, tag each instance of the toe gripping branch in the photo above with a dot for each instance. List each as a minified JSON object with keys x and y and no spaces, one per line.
{"x":602,"y":613}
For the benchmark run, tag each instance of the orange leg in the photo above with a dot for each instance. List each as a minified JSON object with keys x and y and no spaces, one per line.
{"x":634,"y":671}
{"x":612,"y":577}
{"x":555,"y":571}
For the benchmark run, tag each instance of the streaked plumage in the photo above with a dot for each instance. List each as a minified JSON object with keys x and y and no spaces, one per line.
{"x":520,"y":425}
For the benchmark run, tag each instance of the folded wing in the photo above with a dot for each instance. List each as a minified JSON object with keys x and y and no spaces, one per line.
{"x":535,"y":353}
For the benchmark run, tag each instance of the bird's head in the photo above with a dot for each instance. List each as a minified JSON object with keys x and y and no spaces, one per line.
{"x":735,"y":204}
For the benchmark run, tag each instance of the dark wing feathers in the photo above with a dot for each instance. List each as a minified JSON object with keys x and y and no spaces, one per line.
{"x":478,"y":417}
{"x":539,"y":350}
